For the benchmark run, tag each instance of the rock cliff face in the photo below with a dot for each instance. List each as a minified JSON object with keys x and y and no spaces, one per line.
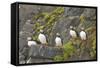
{"x":55,"y":19}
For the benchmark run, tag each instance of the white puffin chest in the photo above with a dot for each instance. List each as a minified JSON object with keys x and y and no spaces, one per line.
{"x":42,"y":38}
{"x":73,"y":33}
{"x":83,"y":35}
{"x":31,"y":43}
{"x":58,"y":41}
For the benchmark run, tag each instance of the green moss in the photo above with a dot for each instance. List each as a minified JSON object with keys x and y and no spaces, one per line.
{"x":58,"y":58}
{"x":93,"y":52}
{"x":92,"y":40}
{"x":82,"y":19}
{"x":34,"y":37}
{"x":65,"y":56}
{"x":94,"y":44}
{"x":49,"y":18}
{"x":68,"y":49}
{"x":58,"y":10}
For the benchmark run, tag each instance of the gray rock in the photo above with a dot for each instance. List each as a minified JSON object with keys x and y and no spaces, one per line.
{"x":89,"y":13}
{"x":41,"y":51}
{"x":72,"y":11}
{"x":70,"y":17}
{"x":22,"y":43}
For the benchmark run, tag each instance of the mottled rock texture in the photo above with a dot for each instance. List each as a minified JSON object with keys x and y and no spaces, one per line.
{"x":33,"y":18}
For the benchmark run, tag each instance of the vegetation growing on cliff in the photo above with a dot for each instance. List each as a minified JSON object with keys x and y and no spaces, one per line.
{"x":68,"y":51}
{"x":49,"y":19}
{"x":59,"y":19}
{"x":46,"y":21}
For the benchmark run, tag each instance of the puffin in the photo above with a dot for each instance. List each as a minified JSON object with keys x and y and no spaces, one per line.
{"x":73,"y":33}
{"x":42,"y":38}
{"x":31,"y":42}
{"x":83,"y":34}
{"x":58,"y":40}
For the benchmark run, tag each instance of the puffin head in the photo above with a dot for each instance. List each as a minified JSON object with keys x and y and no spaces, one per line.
{"x":41,"y":31}
{"x":29,"y":38}
{"x":71,"y":27}
{"x":82,"y":29}
{"x":57,"y":34}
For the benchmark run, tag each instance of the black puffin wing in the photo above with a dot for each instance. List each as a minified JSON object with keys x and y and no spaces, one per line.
{"x":86,"y":35}
{"x":77,"y":33}
{"x":62,"y":41}
{"x":37,"y":41}
{"x":46,"y":38}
